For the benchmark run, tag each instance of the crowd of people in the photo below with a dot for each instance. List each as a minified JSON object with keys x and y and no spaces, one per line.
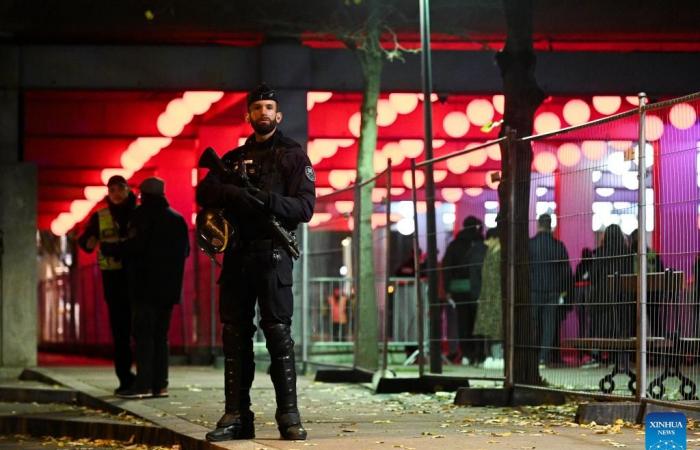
{"x":471,"y":281}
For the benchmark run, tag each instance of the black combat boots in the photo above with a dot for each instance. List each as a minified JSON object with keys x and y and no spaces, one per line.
{"x":233,"y":426}
{"x":239,"y":370}
{"x":284,"y":378}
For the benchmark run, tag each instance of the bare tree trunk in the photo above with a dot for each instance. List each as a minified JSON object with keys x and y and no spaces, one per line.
{"x":522,"y":97}
{"x":371,"y":58}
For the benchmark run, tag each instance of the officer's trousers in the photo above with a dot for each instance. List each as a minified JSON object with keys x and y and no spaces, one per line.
{"x":247,"y":278}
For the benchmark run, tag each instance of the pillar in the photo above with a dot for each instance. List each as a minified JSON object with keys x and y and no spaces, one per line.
{"x":18,"y":206}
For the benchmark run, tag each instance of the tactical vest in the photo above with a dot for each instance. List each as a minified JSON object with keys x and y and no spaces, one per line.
{"x":109,"y":232}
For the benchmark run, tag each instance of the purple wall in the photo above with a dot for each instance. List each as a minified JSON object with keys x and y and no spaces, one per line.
{"x":574,"y":199}
{"x":678,"y":198}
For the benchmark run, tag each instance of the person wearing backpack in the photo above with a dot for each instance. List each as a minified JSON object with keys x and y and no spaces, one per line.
{"x":461,"y":267}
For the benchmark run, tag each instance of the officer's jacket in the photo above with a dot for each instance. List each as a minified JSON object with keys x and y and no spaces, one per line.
{"x":278,"y":166}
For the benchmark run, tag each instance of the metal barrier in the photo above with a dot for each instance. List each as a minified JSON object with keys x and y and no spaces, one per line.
{"x":670,"y":310}
{"x":468,"y":311}
{"x":613,"y":310}
{"x":580,"y":200}
{"x":345,"y":321}
{"x":331,"y":318}
{"x":73,"y":313}
{"x":615,"y":307}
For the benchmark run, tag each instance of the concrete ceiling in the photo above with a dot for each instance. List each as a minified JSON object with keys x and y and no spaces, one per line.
{"x":245,"y":22}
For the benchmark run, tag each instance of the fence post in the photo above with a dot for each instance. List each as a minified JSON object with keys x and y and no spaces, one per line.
{"x":389,"y":288}
{"x":304,"y":295}
{"x":416,"y":271}
{"x":641,"y":254}
{"x":509,"y":327}
{"x":356,"y":263}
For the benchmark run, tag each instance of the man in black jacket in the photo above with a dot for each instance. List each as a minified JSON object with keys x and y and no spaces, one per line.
{"x":257,"y":267}
{"x":155,"y":251}
{"x":550,"y":280}
{"x":461,"y":276}
{"x":106,"y":226}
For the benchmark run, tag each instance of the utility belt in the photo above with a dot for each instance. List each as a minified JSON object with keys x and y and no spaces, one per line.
{"x":257,"y":245}
{"x":262,"y":245}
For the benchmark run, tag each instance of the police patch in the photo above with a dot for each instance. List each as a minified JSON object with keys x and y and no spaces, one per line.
{"x":309,"y":172}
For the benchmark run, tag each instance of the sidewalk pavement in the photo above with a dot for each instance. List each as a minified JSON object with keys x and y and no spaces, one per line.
{"x":347,"y":416}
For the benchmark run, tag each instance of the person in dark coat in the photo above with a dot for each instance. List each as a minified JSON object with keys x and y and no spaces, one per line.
{"x":106,"y":226}
{"x":582,"y":290}
{"x":550,"y":280}
{"x":461,"y":275}
{"x":612,"y":257}
{"x":656,"y":297}
{"x":155,"y":250}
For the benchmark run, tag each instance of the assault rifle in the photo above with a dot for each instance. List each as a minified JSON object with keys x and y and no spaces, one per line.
{"x":210,"y":160}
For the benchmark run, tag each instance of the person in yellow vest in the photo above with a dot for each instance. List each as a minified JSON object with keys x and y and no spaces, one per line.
{"x":109,"y":225}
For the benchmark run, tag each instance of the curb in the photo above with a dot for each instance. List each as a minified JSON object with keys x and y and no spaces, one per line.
{"x":47,"y":425}
{"x":173,"y":429}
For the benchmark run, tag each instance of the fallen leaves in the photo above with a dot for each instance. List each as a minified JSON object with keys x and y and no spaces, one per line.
{"x":68,"y":442}
{"x":615,"y":428}
{"x":614,"y":443}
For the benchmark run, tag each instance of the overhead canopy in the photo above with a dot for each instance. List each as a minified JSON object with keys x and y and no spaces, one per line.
{"x":79,"y":138}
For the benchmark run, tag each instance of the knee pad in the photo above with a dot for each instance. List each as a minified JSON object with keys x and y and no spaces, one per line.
{"x":231,"y":336}
{"x":237,"y":336}
{"x":278,"y":339}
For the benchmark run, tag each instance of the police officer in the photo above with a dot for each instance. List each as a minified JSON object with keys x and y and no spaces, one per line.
{"x":109,"y":225}
{"x":257,"y":267}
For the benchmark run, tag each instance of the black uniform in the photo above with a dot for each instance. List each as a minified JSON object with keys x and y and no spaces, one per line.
{"x":258,"y":268}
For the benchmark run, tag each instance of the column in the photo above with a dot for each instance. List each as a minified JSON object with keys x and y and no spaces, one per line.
{"x":18,"y":204}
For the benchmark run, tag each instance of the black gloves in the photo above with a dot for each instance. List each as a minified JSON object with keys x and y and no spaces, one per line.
{"x":258,"y":197}
{"x":213,"y":193}
{"x":231,"y":193}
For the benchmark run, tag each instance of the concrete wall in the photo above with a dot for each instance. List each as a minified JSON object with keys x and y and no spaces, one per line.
{"x":18,"y":288}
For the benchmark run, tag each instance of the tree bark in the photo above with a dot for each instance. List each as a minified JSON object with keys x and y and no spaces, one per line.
{"x":371,"y":56}
{"x":522,"y":97}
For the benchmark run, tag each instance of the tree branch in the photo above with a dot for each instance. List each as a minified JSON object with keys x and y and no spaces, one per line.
{"x":398,"y":51}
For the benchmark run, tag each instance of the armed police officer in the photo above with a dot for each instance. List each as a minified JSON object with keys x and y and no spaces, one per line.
{"x":259,"y":266}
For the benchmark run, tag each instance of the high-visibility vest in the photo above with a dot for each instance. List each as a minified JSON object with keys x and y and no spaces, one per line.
{"x":109,"y":232}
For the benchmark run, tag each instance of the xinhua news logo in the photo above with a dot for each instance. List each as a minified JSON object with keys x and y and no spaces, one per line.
{"x":665,"y":431}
